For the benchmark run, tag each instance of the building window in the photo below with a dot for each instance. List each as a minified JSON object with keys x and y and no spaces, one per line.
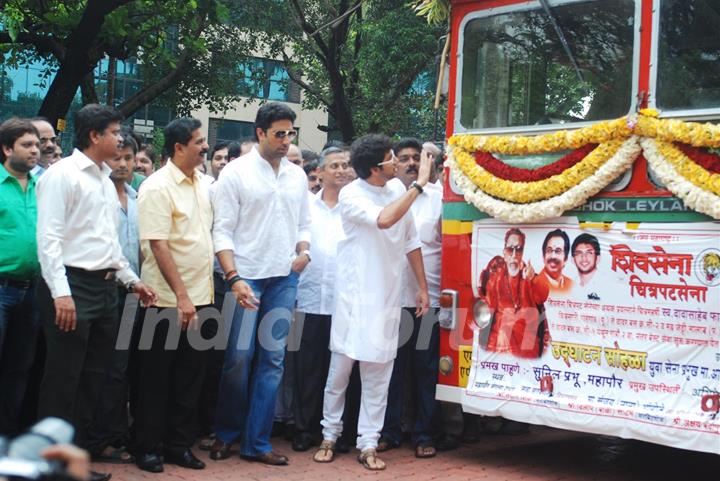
{"x":266,"y":79}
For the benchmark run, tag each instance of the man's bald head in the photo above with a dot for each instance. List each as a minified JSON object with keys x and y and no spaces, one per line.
{"x":48,"y":141}
{"x":294,"y":155}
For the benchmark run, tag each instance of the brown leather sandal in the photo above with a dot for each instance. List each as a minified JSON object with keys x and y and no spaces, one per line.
{"x":325,"y":453}
{"x":369,"y":459}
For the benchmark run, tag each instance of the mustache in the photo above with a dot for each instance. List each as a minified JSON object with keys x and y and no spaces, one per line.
{"x":411,"y":170}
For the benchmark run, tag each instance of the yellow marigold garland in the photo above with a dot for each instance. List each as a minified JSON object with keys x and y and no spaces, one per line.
{"x":526,"y":192}
{"x":599,"y":133}
{"x":670,"y":130}
{"x":689,"y":169}
{"x":609,"y":134}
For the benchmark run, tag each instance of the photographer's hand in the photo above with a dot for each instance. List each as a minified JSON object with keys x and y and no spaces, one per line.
{"x":76,"y":460}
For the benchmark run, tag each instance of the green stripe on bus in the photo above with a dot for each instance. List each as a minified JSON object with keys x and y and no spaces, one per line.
{"x":642,"y":211}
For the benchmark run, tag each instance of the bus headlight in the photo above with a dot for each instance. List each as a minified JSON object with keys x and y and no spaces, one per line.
{"x":482,"y":314}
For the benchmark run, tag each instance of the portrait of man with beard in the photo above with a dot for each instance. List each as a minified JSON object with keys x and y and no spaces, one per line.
{"x":516,"y":296}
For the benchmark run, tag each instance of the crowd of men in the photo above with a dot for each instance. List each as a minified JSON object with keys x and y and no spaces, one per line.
{"x":158,"y":306}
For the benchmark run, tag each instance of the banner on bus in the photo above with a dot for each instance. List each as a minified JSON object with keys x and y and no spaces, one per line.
{"x":613,"y":329}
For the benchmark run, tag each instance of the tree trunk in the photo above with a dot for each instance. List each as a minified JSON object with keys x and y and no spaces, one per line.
{"x":81,"y":56}
{"x":87,"y":89}
{"x":151,"y":92}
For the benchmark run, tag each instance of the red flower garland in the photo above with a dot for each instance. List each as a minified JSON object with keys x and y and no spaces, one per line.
{"x":706,"y":160}
{"x":516,"y":174}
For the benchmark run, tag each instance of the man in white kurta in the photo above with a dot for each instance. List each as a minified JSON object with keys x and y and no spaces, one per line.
{"x":379,"y":229}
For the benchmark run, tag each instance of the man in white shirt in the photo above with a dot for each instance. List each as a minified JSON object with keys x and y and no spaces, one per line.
{"x":420,"y":352}
{"x":315,"y":299}
{"x":80,"y":257}
{"x":262,"y":239}
{"x":365,"y":323}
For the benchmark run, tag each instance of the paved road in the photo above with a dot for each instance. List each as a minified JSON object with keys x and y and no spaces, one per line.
{"x":543,"y":454}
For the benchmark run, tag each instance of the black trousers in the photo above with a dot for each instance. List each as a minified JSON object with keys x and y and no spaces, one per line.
{"x":110,"y":424}
{"x":311,"y":364}
{"x":216,"y":358}
{"x":170,"y":378}
{"x":76,"y":360}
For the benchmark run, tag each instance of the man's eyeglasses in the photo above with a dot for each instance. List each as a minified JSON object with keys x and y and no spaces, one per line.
{"x":392,"y":159}
{"x":281,"y":134}
{"x":584,"y":253}
{"x":512,"y":250}
{"x":558,"y":251}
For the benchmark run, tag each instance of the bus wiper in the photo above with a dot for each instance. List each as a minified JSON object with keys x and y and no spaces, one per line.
{"x":561,"y":36}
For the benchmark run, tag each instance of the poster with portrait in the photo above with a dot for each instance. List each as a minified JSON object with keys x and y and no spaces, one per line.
{"x":613,"y":329}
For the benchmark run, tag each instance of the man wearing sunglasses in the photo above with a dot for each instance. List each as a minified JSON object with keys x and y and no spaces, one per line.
{"x":365,"y":325}
{"x":555,"y":250}
{"x":515,"y":293}
{"x":262,"y":240}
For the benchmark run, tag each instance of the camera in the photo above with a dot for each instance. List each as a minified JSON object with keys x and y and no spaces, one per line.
{"x":20,"y":457}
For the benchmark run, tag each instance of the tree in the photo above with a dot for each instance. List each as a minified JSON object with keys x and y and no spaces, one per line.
{"x":356,"y":59}
{"x":71,"y":37}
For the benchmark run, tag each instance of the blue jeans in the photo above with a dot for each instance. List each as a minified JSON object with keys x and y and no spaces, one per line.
{"x":420,"y":355}
{"x":253,"y":368}
{"x":18,"y":334}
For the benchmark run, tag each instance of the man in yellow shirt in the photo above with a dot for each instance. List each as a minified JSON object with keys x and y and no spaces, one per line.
{"x":175,"y":219}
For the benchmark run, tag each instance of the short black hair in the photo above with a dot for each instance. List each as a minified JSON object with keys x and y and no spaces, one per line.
{"x":129,"y":141}
{"x":219,"y":145}
{"x":235,"y":148}
{"x":589,"y":239}
{"x":367,"y":152}
{"x":149,"y":151}
{"x":335,"y":143}
{"x":310,"y":166}
{"x":309,"y":155}
{"x":11,"y":130}
{"x":407,"y":143}
{"x":272,"y":112}
{"x":129,"y":138}
{"x":93,"y":118}
{"x":179,"y":131}
{"x":562,"y":235}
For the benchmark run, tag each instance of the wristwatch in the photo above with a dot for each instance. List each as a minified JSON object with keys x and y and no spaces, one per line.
{"x":307,"y":253}
{"x":131,"y":286}
{"x":417,"y":186}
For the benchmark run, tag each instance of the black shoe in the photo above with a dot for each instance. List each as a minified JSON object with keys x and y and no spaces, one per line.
{"x":447,"y":442}
{"x":183,"y":458}
{"x":302,"y":442}
{"x":152,"y":463}
{"x":95,"y":476}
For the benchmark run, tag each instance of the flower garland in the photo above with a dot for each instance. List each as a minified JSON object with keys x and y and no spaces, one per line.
{"x":555,"y":142}
{"x":707,"y":160}
{"x":527,"y":192}
{"x":499,"y":169}
{"x":689,"y":169}
{"x":515,"y":213}
{"x":670,"y":130}
{"x":693,"y":196}
{"x":525,"y":195}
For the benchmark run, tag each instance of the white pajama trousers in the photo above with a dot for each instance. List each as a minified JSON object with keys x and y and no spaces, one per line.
{"x":375,"y":379}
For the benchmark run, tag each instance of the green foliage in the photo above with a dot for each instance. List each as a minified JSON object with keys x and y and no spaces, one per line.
{"x":359,"y":66}
{"x":435,"y":11}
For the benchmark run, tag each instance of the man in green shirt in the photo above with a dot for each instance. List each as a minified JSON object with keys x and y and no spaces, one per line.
{"x":19,"y":266}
